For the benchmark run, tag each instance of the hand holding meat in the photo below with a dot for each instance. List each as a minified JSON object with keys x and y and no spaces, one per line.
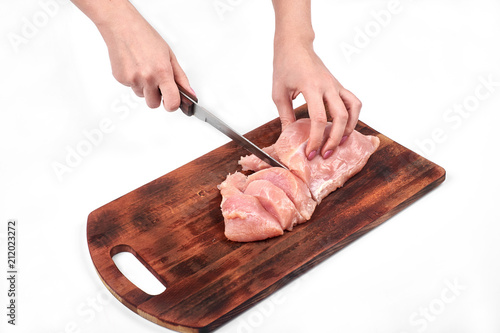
{"x":297,"y":69}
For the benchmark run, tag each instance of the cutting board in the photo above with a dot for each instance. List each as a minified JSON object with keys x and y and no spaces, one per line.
{"x":174,"y":226}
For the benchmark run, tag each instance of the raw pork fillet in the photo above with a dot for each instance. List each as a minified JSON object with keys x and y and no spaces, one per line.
{"x":321,"y":176}
{"x":272,"y":200}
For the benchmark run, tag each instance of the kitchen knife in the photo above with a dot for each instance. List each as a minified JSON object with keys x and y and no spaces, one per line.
{"x":189,"y":105}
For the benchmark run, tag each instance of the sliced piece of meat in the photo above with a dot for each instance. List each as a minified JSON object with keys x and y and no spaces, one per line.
{"x":276,"y":202}
{"x":247,"y":221}
{"x":294,"y":188}
{"x":245,"y":218}
{"x":252,"y":162}
{"x":234,"y":183}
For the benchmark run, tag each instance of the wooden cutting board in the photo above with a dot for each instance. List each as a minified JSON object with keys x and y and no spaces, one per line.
{"x":174,"y":226}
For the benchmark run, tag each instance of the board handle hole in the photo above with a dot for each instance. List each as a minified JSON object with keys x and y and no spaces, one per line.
{"x":138,"y":273}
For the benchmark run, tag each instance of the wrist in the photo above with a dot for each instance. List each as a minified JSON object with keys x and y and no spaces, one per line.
{"x":293,"y":23}
{"x":110,"y":22}
{"x":291,"y":31}
{"x":286,"y":38}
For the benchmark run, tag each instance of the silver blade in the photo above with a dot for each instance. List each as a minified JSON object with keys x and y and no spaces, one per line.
{"x":205,"y":115}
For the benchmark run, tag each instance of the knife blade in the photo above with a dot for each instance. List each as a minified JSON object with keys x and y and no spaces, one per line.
{"x":189,"y":105}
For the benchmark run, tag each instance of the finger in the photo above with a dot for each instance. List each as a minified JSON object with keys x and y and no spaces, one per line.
{"x":169,"y":90}
{"x":340,"y":116}
{"x":138,"y":91}
{"x":353,"y":106}
{"x":170,"y":93}
{"x":152,"y":95}
{"x":179,"y":76}
{"x":284,"y":105}
{"x":317,"y":114}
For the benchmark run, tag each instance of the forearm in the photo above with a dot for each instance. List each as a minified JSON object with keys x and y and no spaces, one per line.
{"x":293,"y":22}
{"x":108,"y":15}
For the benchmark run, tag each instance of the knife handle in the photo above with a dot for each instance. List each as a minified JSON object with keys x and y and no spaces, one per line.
{"x":187,"y":101}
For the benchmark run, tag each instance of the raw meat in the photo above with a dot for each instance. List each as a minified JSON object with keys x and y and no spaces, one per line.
{"x":241,"y":195}
{"x":276,"y":202}
{"x":253,"y":163}
{"x":321,"y":176}
{"x":272,"y":200}
{"x":245,"y":219}
{"x":294,"y":188}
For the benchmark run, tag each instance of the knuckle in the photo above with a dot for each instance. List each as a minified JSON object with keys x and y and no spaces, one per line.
{"x":135,"y":79}
{"x":122,"y":78}
{"x":117,"y":76}
{"x":180,"y":76}
{"x":314,"y":86}
{"x":285,"y":121}
{"x":139,"y":93}
{"x":153,"y":104}
{"x":315,"y":142}
{"x":328,"y":78}
{"x":357,"y":103}
{"x":342,"y":116}
{"x":171,"y":104}
{"x":320,"y":120}
{"x":163,"y":72}
{"x":277,"y":98}
{"x":169,"y":107}
{"x":348,"y":131}
{"x":149,"y":77}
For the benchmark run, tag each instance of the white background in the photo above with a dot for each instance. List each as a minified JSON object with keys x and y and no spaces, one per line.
{"x":440,"y":255}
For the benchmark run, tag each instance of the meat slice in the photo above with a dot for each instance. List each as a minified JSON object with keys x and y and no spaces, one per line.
{"x":289,"y":141}
{"x":321,"y":176}
{"x":276,"y":202}
{"x":253,"y":163}
{"x":234,"y":184}
{"x":247,"y":221}
{"x":294,"y":188}
{"x":245,"y":218}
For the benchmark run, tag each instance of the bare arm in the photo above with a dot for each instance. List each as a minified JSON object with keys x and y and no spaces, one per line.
{"x":297,"y":69}
{"x":139,"y":56}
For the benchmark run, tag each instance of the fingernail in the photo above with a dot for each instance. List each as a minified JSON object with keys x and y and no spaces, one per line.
{"x":343,"y":139}
{"x":311,"y":155}
{"x":193,"y":91}
{"x":328,"y":154}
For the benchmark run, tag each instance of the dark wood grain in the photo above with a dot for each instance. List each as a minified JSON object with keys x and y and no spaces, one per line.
{"x":174,"y":226}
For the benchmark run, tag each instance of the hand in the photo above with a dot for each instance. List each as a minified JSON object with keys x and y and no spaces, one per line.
{"x":141,"y":59}
{"x":297,"y":69}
